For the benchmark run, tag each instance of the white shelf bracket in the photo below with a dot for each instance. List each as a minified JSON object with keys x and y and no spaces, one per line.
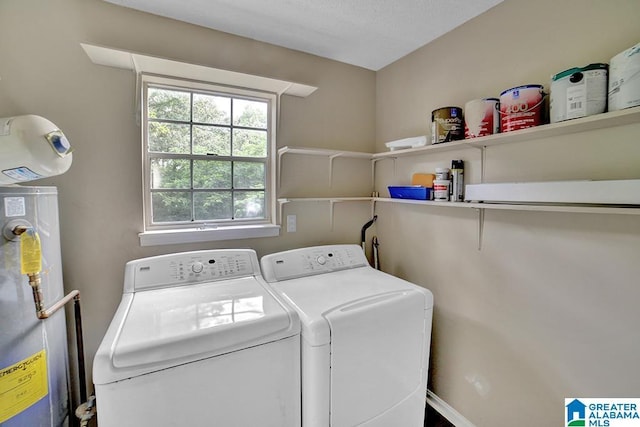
{"x":373,"y":172}
{"x":374,"y":160}
{"x":280,"y":154}
{"x":331,"y":204}
{"x":480,"y":227}
{"x":483,"y":160}
{"x":331,"y":158}
{"x":281,"y":203}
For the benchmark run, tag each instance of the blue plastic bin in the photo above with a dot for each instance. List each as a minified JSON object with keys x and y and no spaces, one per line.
{"x":416,"y":192}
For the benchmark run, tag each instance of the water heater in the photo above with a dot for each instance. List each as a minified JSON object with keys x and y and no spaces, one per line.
{"x":31,"y":147}
{"x":34,"y":373}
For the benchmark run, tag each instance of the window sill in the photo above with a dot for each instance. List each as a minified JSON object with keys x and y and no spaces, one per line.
{"x":195,"y":235}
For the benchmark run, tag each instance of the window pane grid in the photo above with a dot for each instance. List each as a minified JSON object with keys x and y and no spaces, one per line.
{"x":237,"y":196}
{"x":243,"y":195}
{"x":204,"y":190}
{"x":213,"y":125}
{"x":211,"y":157}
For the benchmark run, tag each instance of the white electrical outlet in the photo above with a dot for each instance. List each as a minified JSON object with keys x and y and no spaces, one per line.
{"x":291,"y":223}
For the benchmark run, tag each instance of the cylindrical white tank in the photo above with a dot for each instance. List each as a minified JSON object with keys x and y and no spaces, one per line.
{"x":34,"y":374}
{"x":31,"y":147}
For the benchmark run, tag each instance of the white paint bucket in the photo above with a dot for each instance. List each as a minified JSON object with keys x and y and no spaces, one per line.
{"x":578,"y":92}
{"x":521,"y":107}
{"x":441,"y":189}
{"x":624,"y":79}
{"x":481,"y":117}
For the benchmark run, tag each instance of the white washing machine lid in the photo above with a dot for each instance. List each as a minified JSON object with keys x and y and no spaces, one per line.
{"x":162,"y":328}
{"x":316,"y":297}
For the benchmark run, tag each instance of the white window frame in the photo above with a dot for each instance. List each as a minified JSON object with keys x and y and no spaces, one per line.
{"x":155,"y":234}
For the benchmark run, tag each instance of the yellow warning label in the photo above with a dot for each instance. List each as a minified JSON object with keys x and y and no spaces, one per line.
{"x":22,"y":385}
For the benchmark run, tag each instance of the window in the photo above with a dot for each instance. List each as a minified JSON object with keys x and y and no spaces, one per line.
{"x":208,"y":156}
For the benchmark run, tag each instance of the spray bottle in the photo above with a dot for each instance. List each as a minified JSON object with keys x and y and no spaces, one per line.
{"x":457,"y":181}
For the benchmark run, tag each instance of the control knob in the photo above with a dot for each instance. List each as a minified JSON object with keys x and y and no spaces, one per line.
{"x":197,"y":267}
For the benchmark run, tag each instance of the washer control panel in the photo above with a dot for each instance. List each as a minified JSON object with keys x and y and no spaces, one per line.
{"x":189,"y":268}
{"x":311,"y":261}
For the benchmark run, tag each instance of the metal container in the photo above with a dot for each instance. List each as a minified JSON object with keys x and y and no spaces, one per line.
{"x":578,"y":92}
{"x":33,"y":352}
{"x":521,"y":107}
{"x":446,"y":125}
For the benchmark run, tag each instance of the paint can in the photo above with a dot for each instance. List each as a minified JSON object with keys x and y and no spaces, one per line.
{"x":521,"y":107}
{"x":578,"y":92}
{"x":481,"y":117}
{"x":624,"y":79}
{"x":446,"y":125}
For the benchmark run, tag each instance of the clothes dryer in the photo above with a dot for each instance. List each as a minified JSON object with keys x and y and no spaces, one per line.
{"x":365,"y":337}
{"x":199,"y":339}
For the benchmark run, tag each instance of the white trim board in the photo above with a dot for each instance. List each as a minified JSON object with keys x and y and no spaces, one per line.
{"x":193,"y":235}
{"x":141,"y":63}
{"x":453,"y":416}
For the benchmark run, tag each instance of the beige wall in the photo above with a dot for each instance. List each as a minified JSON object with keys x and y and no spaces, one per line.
{"x":547,"y":308}
{"x":543,"y":311}
{"x":44,"y":71}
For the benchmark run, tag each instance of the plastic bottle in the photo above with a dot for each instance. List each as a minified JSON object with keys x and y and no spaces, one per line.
{"x":30,"y":252}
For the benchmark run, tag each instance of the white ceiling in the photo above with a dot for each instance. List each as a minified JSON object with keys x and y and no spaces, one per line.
{"x":366,"y":33}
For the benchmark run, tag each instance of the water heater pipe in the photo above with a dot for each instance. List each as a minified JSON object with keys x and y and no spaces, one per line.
{"x":41,"y":312}
{"x":44,"y":313}
{"x":364,"y":230}
{"x":376,"y":256}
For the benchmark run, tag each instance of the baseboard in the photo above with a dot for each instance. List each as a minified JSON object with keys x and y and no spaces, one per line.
{"x":453,"y":416}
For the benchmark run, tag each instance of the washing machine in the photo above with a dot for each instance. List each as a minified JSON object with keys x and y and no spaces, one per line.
{"x":199,"y":339}
{"x":365,"y":337}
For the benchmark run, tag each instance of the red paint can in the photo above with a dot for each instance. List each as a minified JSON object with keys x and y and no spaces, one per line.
{"x":521,"y":107}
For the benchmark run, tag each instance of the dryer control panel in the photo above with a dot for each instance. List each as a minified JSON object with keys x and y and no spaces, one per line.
{"x":311,"y":261}
{"x":189,"y":268}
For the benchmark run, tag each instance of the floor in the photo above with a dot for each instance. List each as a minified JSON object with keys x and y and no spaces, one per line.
{"x":434,"y":419}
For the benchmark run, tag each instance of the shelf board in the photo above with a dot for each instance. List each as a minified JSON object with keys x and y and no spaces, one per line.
{"x":599,"y":121}
{"x":434,"y":148}
{"x":323,"y":152}
{"x":584,"y":124}
{"x":324,"y":199}
{"x":594,"y":209}
{"x":432,"y":203}
{"x":569,"y":208}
